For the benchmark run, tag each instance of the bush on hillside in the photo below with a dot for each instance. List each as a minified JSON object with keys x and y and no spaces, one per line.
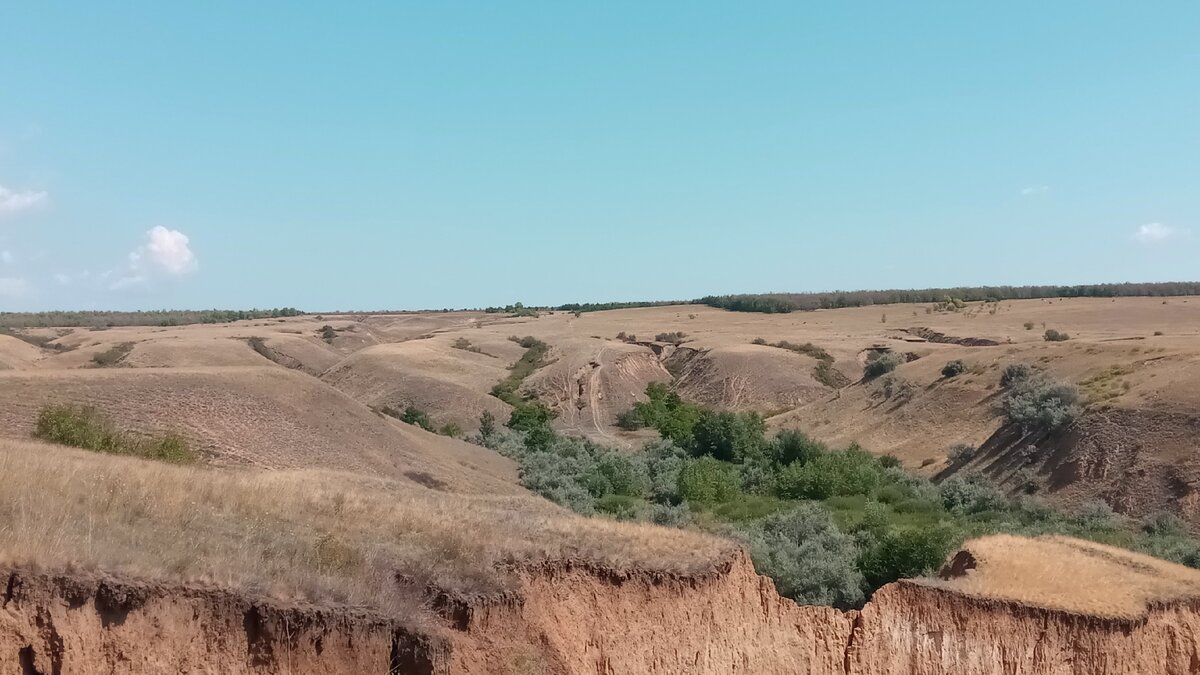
{"x":880,"y":363}
{"x":82,"y":427}
{"x":894,"y":387}
{"x":1052,"y":335}
{"x":1040,"y":403}
{"x":674,"y":337}
{"x":1014,"y":373}
{"x":954,"y":368}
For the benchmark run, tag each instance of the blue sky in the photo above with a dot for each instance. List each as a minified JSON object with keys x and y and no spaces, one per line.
{"x":395,"y":155}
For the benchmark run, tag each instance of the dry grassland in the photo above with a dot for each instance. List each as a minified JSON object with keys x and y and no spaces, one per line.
{"x":1072,"y":575}
{"x":310,"y":535}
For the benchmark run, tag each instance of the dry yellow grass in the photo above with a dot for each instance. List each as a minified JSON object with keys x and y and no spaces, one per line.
{"x":267,"y":417}
{"x":318,"y":536}
{"x":1071,"y":575}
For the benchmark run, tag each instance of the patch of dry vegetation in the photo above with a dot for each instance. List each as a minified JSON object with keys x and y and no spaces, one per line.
{"x":112,"y":356}
{"x":1072,"y":575}
{"x":319,"y":536}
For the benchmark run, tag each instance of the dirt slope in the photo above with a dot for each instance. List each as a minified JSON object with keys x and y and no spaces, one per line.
{"x":263,"y":416}
{"x":581,"y":619}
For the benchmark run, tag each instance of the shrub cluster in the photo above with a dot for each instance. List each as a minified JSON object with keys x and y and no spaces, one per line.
{"x":879,"y":363}
{"x":954,"y":368}
{"x":674,"y":337}
{"x":1039,"y":403}
{"x":1052,"y":335}
{"x":829,"y":526}
{"x":82,"y":427}
{"x":112,"y":356}
{"x":533,"y":358}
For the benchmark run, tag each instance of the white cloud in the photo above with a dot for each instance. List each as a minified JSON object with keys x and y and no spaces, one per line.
{"x":62,"y":279}
{"x":1035,"y":190}
{"x":15,"y":201}
{"x":7,"y":257}
{"x":165,"y":250}
{"x":13,"y":287}
{"x":1152,"y":233}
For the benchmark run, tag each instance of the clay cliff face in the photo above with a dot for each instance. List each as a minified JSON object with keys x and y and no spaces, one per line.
{"x":570,"y":619}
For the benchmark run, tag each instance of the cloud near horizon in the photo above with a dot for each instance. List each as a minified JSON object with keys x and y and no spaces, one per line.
{"x":1035,"y":190}
{"x":13,"y":202}
{"x":165,"y":252}
{"x":1151,"y":233}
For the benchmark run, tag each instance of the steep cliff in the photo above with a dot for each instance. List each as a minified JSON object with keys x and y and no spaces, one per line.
{"x":576,"y":617}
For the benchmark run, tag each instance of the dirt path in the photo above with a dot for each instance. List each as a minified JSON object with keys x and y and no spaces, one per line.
{"x":593,"y":387}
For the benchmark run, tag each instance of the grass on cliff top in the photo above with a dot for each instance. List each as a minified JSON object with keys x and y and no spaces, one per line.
{"x":318,"y":536}
{"x":1072,"y":575}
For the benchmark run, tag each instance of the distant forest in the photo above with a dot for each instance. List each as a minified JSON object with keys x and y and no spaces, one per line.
{"x":162,"y":317}
{"x":772,"y":303}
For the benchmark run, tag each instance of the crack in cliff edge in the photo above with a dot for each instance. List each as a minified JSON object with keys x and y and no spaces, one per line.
{"x":852,"y":642}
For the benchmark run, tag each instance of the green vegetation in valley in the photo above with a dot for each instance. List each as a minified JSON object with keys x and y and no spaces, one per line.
{"x":828,"y":525}
{"x":533,"y":358}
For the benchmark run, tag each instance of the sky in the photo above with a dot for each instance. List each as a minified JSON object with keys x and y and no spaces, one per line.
{"x":464,"y":154}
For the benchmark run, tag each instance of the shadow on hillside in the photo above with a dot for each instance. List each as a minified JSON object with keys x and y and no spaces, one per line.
{"x":1011,"y":451}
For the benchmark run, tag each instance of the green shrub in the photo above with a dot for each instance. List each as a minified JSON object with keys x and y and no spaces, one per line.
{"x":487,"y":424}
{"x":808,"y":558}
{"x":670,"y":516}
{"x":954,"y":368}
{"x":417,"y":417}
{"x":791,"y":447}
{"x":534,"y":420}
{"x":1039,"y":403}
{"x":620,"y":475}
{"x":674,"y":337}
{"x":1014,"y":373}
{"x":328,"y":333}
{"x":663,"y":461}
{"x":450,"y":429}
{"x":903,"y":553}
{"x":846,"y":472}
{"x":621,"y":507}
{"x":1052,"y":335}
{"x":706,"y":481}
{"x":897,"y":388}
{"x":879,"y":363}
{"x":970,"y":494}
{"x":727,"y":436}
{"x":960,"y":452}
{"x":82,"y":427}
{"x":630,"y":420}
